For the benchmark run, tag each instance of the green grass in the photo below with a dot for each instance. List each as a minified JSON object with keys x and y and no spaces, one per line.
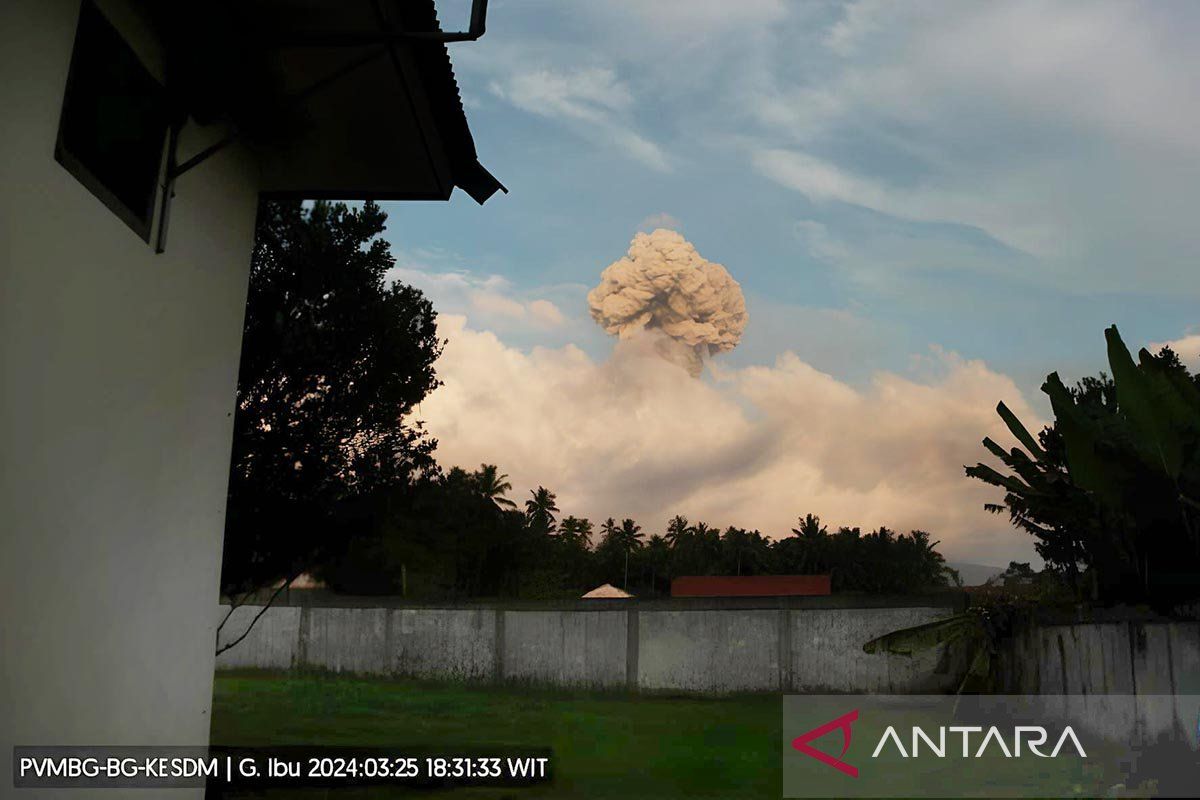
{"x":604,"y":744}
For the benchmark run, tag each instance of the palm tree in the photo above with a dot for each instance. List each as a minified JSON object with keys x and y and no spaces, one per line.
{"x":493,"y":485}
{"x":629,"y":537}
{"x":658,"y":553}
{"x":812,"y":538}
{"x":573,"y":548}
{"x":540,"y":509}
{"x":609,"y":529}
{"x":707,"y":549}
{"x":810,"y":527}
{"x":577,"y":531}
{"x":737,"y":540}
{"x":677,"y":530}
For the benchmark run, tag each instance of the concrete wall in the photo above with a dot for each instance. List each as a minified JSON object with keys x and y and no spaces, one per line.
{"x":565,"y":648}
{"x":827,"y":655}
{"x":1080,"y":669}
{"x":694,"y":647}
{"x":723,"y":651}
{"x":1076,"y":665}
{"x":118,"y":371}
{"x":273,"y":642}
{"x":444,"y":643}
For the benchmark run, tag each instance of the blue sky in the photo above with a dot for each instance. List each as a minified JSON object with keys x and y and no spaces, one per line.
{"x":885,"y":180}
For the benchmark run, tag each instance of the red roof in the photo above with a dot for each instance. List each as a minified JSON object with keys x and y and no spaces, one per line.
{"x":749,"y":585}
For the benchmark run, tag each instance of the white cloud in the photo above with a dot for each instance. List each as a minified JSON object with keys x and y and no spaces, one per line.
{"x":1106,"y":66}
{"x":859,"y":20}
{"x":490,"y":302}
{"x":1030,"y":227}
{"x":819,"y":180}
{"x":491,"y":299}
{"x":1063,"y":130}
{"x":756,"y":446}
{"x":593,"y":101}
{"x":583,"y":94}
{"x":894,"y":260}
{"x":1186,"y":347}
{"x":546,"y":312}
{"x":697,"y":20}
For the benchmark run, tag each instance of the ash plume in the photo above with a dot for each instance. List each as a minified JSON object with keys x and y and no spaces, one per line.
{"x":691,"y":308}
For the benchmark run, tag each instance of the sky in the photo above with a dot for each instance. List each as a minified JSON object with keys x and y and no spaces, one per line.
{"x":928,"y":207}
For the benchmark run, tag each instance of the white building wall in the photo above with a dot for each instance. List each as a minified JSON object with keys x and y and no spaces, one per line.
{"x":117,"y":376}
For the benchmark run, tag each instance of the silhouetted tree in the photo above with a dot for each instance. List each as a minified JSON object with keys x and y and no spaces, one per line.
{"x":658,"y":560}
{"x":677,"y":530}
{"x":540,"y":509}
{"x":494,"y":485}
{"x":334,"y":359}
{"x":1113,"y":486}
{"x":628,"y":537}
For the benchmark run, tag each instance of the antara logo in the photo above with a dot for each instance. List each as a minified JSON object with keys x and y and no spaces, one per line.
{"x":1036,"y":738}
{"x":843,"y":722}
{"x":1033,"y":736}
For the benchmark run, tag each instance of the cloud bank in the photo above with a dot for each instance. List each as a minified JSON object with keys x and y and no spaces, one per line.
{"x":638,"y":436}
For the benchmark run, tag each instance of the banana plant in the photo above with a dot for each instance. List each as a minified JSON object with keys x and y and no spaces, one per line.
{"x":976,"y":630}
{"x":1113,"y":485}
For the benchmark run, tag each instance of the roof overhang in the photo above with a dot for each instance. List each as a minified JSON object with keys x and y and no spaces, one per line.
{"x":340,"y":99}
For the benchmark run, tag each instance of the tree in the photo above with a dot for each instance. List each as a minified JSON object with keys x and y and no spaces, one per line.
{"x":494,"y":485}
{"x":628,"y":537}
{"x":572,"y":550}
{"x":540,"y":509}
{"x":334,"y":360}
{"x":576,"y":530}
{"x":658,"y":559}
{"x":444,"y":536}
{"x":677,"y":530}
{"x":736,"y":543}
{"x":1114,"y":485}
{"x":746,"y":552}
{"x":879,"y":562}
{"x":806,"y":551}
{"x":1018,"y":573}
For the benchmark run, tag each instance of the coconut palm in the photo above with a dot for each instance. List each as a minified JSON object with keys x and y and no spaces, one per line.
{"x":540,"y":509}
{"x":748,"y":550}
{"x":707,"y":548}
{"x":629,"y":537}
{"x":658,"y":556}
{"x":577,"y":531}
{"x":809,"y":544}
{"x":677,"y":530}
{"x":493,"y":484}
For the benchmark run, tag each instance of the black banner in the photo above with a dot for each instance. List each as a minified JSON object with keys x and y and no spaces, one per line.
{"x":221,"y":768}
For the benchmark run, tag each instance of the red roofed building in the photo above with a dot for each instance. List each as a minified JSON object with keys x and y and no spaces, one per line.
{"x":750,"y":585}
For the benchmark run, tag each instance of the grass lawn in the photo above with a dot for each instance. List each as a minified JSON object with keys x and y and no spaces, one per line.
{"x":604,"y":745}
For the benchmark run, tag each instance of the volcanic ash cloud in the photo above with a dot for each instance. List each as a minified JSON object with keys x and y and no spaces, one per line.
{"x":664,"y":286}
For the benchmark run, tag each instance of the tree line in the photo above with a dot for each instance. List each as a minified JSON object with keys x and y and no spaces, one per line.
{"x":460,"y":535}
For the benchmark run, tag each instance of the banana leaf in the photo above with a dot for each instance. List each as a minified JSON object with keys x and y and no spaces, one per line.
{"x":1021,"y":432}
{"x":1089,"y":469}
{"x":923,"y":637}
{"x":1155,"y":408}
